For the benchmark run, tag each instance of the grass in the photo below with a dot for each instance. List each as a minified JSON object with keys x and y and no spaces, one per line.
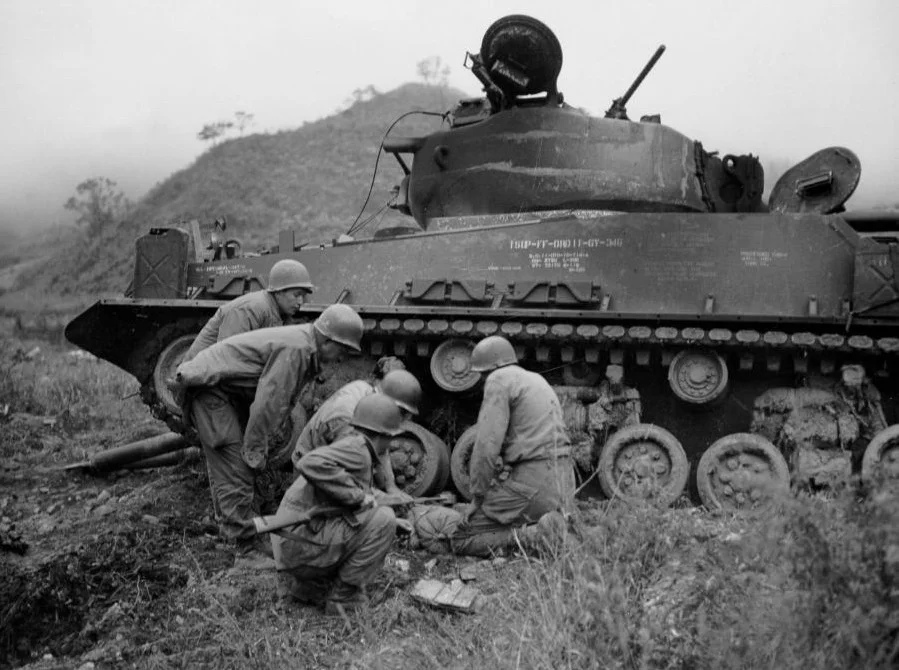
{"x":812,"y":584}
{"x":70,"y":394}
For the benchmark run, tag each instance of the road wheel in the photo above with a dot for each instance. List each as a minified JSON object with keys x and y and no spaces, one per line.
{"x":166,"y":364}
{"x":451,"y":366}
{"x":740,"y":472}
{"x":881,"y":457}
{"x":643,"y":463}
{"x":461,"y":462}
{"x":421,"y":461}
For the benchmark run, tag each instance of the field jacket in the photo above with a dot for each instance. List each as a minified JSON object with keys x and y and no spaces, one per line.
{"x":272,"y":363}
{"x":251,"y":311}
{"x":332,"y":420}
{"x":520,"y":420}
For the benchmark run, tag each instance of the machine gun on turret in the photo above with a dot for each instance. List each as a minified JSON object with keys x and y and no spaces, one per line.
{"x":617,"y":110}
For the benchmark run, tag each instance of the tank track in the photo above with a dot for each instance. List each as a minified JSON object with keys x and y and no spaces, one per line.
{"x":569,"y":343}
{"x":567,"y":338}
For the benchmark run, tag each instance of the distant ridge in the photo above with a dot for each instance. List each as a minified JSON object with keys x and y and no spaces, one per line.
{"x":312,"y":179}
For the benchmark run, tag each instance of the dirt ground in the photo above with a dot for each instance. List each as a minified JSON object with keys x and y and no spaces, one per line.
{"x":126,"y":568}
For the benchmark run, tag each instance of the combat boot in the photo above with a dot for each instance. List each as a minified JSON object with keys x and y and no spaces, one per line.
{"x":305,"y":592}
{"x":345,"y":598}
{"x":550,"y":533}
{"x":253,"y":548}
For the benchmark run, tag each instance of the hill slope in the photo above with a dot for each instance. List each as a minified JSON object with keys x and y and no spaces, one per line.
{"x":313,"y":180}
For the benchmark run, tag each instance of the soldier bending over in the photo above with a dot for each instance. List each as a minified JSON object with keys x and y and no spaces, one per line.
{"x":239,"y":396}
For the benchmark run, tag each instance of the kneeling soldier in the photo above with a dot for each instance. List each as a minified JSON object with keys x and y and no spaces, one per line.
{"x":521,"y":469}
{"x":332,"y":557}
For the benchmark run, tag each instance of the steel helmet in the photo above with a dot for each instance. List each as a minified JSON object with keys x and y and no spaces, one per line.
{"x":288,"y":273}
{"x":341,"y":323}
{"x":378,"y":413}
{"x":491,"y":353}
{"x":403,"y":388}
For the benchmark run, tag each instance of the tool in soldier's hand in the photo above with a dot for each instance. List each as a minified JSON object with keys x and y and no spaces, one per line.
{"x":287,"y":518}
{"x":398,"y":500}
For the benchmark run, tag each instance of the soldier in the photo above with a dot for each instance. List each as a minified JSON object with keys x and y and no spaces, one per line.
{"x":334,"y":418}
{"x":332,"y":558}
{"x":521,"y":469}
{"x":288,"y":286}
{"x":240,"y":393}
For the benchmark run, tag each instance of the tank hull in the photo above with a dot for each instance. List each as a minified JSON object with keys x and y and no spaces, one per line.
{"x":770,"y":294}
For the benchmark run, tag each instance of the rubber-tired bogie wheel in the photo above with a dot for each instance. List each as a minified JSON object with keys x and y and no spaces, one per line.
{"x":643,"y":463}
{"x":166,"y":364}
{"x":698,"y":377}
{"x":421,"y":461}
{"x":451,"y":366}
{"x":881,"y":457}
{"x":460,"y":462}
{"x":742,"y":471}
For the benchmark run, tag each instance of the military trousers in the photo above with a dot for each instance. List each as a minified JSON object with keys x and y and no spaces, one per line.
{"x":350,"y":548}
{"x":532,"y":489}
{"x":220,"y":421}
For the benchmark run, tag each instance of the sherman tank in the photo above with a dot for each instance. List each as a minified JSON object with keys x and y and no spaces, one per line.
{"x":701,"y":338}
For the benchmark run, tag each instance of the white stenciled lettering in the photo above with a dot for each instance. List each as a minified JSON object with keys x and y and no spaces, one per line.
{"x":567,"y":243}
{"x":762,"y":258}
{"x":569,"y":261}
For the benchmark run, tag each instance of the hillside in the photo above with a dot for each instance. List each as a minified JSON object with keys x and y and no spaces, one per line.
{"x":313,"y":179}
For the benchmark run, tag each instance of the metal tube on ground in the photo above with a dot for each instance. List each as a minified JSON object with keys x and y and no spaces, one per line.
{"x":165,"y":460}
{"x":136,"y":451}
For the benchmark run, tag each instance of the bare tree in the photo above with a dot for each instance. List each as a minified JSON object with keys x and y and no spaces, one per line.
{"x":433,"y":72}
{"x":213,"y":131}
{"x":243,"y":120}
{"x":99,"y":204}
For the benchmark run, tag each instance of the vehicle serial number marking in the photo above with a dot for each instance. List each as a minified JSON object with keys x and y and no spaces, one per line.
{"x":567,"y":243}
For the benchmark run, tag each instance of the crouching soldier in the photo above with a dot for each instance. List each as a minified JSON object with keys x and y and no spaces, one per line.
{"x":521,"y":469}
{"x":333,"y":419}
{"x":333,"y":557}
{"x":239,"y":394}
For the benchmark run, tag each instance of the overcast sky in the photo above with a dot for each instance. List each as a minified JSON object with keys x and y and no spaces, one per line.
{"x":120,"y":88}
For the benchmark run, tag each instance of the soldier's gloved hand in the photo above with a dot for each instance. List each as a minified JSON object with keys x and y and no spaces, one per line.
{"x":469,"y":512}
{"x":177,"y":388}
{"x":398,"y":497}
{"x":368,"y":501}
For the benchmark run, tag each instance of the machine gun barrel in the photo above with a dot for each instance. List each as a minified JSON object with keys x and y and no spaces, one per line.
{"x":617,"y":110}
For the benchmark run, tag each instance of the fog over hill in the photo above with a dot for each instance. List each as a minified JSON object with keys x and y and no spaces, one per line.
{"x":313,"y":179}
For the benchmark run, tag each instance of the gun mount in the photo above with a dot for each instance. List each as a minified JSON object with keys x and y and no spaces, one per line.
{"x":618,"y":109}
